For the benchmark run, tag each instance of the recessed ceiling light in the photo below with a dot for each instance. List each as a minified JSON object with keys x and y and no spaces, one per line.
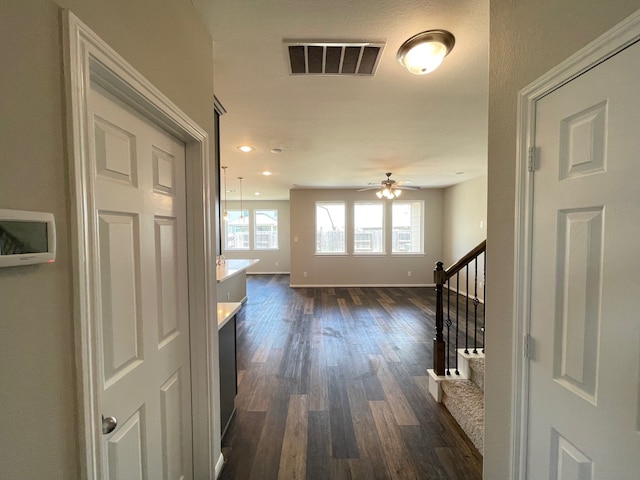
{"x":276,"y":150}
{"x":459,"y":173}
{"x":257,"y":194}
{"x":245,"y":148}
{"x":266,"y":173}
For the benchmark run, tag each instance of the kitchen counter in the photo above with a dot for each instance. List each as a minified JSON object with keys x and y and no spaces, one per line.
{"x":232,"y":279}
{"x":233,"y":266}
{"x":226,"y":311}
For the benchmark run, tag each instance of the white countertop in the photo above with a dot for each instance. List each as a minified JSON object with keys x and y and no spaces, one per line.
{"x":231,"y":266}
{"x":226,"y":311}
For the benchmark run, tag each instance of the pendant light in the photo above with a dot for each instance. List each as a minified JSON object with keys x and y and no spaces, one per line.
{"x":241,"y":210}
{"x":225,"y":215}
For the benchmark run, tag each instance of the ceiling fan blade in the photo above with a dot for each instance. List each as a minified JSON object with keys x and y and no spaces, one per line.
{"x":391,"y":184}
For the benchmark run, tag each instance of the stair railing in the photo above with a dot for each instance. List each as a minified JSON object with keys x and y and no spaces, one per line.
{"x":444,"y":350}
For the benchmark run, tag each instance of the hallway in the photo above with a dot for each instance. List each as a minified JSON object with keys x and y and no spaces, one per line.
{"x":333,"y":385}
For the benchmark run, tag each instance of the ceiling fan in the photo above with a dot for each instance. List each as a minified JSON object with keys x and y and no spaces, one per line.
{"x":389,"y":188}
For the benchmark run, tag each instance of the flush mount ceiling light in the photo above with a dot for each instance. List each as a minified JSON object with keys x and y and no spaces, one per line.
{"x":424,"y":52}
{"x":245,"y":148}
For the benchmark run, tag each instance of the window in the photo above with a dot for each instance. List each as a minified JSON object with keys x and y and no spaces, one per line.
{"x":368,"y":221}
{"x":330,"y":221}
{"x":407,"y":227}
{"x":237,"y":230}
{"x":266,"y":230}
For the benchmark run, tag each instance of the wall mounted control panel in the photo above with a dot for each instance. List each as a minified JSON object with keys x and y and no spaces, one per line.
{"x":26,"y":238}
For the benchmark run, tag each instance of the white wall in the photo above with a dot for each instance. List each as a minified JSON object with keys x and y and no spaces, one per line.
{"x":361,"y":270}
{"x":527,"y":38}
{"x":465,"y":218}
{"x":271,"y":261}
{"x":464,"y":208}
{"x":166,"y":42}
{"x":464,"y":227}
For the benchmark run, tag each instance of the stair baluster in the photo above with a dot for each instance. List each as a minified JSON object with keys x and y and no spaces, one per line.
{"x":448,"y":323}
{"x":475,"y":307}
{"x":484,"y":296}
{"x":443,"y":350}
{"x":466,"y":311}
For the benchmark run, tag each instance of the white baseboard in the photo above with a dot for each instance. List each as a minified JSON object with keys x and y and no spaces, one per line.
{"x":381,"y":285}
{"x":435,"y":389}
{"x":268,"y":273}
{"x":464,"y":294}
{"x":463,"y":364}
{"x":219,"y":465}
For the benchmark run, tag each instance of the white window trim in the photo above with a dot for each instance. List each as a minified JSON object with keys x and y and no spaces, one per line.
{"x":315,"y":233}
{"x":255,"y":226}
{"x":422,"y":222}
{"x":225,"y":246}
{"x":381,"y":253}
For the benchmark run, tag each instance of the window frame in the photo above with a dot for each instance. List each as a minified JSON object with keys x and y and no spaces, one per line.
{"x":256,"y":211}
{"x":382,"y":228}
{"x":421,"y":230}
{"x":318,"y":204}
{"x":226,"y":231}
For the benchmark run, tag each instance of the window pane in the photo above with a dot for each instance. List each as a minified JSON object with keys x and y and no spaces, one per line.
{"x":237,"y":230}
{"x":330,"y":227}
{"x":266,"y":229}
{"x":407,"y":227}
{"x":368,"y":221}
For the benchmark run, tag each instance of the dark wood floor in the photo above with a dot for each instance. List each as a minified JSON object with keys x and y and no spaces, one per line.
{"x":333,"y":385}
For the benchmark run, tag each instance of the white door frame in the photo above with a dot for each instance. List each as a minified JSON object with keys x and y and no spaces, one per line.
{"x":88,"y":58}
{"x":602,"y":48}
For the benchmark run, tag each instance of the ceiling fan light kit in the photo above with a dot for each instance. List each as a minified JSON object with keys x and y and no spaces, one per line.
{"x":424,"y":52}
{"x":388,"y":192}
{"x":389,"y":188}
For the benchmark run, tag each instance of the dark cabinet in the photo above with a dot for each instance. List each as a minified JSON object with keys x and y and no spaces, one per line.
{"x":228,"y":372}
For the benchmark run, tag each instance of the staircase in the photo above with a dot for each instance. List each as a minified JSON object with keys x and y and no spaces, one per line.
{"x":464,"y":397}
{"x":457,"y":377}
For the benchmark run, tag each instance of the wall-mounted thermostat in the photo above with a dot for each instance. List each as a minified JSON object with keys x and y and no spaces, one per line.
{"x":26,"y":238}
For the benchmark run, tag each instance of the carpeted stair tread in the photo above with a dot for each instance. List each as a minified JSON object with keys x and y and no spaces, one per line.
{"x":476,"y":365}
{"x":465,"y":401}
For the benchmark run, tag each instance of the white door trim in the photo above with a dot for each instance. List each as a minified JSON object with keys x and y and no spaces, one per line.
{"x":602,"y":48}
{"x":88,"y":58}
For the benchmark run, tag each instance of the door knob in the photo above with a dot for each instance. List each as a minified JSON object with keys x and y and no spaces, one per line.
{"x":109,"y":424}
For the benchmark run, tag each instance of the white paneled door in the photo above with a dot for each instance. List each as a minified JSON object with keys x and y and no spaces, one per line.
{"x":141,"y":294}
{"x":584,"y":406}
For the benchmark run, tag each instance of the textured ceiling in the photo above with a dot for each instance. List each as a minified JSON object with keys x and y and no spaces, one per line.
{"x":347,"y":131}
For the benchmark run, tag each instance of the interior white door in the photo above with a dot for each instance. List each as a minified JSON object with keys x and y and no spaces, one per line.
{"x":584,"y":420}
{"x":140,"y":293}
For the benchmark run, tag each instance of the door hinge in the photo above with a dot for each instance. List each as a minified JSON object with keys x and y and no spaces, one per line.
{"x":531,"y":159}
{"x":526,"y":340}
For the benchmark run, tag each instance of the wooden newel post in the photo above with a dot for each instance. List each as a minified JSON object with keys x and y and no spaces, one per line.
{"x":439,"y":346}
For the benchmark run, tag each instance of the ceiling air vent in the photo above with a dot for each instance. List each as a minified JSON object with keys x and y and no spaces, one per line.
{"x":333,"y":58}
